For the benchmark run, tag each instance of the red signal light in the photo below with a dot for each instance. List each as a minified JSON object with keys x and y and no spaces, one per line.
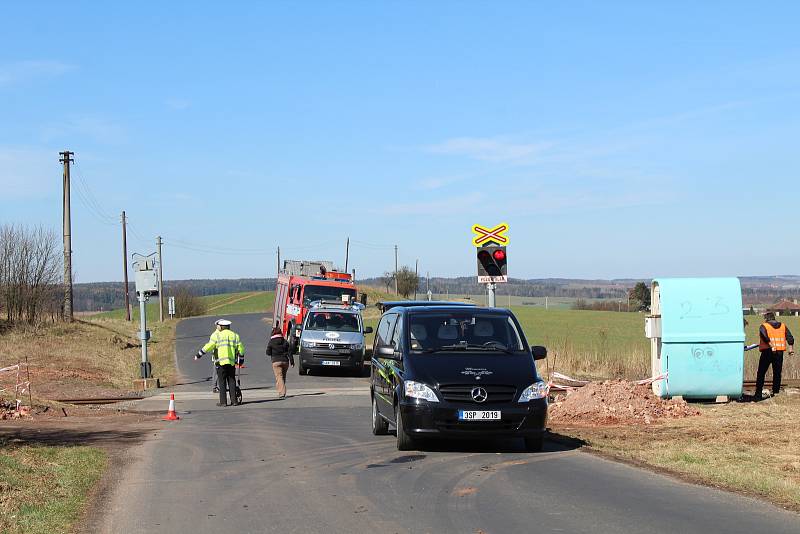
{"x":499,"y":255}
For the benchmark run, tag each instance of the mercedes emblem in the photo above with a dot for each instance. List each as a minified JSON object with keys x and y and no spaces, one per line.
{"x":479,"y":394}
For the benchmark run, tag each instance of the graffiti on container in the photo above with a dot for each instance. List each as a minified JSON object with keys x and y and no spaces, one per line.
{"x":709,"y":307}
{"x":703,"y":352}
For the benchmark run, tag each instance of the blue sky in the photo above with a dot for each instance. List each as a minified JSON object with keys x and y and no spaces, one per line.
{"x":625,"y":139}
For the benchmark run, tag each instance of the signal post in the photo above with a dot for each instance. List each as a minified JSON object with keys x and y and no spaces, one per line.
{"x":492,"y":257}
{"x":147,"y":285}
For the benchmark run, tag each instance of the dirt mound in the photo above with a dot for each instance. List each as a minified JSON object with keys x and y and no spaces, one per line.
{"x":615,"y":402}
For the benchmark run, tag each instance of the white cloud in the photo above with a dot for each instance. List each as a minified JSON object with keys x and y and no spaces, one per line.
{"x":28,"y":172}
{"x":95,"y":128}
{"x":430,"y":184}
{"x":488,"y":149}
{"x":178,"y":104}
{"x":25,"y":71}
{"x":445,"y":206}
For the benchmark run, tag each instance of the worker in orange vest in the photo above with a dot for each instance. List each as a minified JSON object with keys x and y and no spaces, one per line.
{"x":774,"y":339}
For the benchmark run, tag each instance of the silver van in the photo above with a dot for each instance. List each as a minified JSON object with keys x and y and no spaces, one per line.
{"x":332,"y":337}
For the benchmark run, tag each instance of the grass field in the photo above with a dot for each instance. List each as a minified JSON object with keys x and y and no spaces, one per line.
{"x":588,"y":344}
{"x":507,"y":301}
{"x":595,"y":344}
{"x":43,"y":490}
{"x":228,"y":303}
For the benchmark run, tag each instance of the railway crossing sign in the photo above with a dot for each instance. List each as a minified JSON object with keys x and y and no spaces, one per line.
{"x":484,"y":235}
{"x":491,"y":255}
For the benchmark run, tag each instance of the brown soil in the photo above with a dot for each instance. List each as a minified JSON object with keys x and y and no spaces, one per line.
{"x":615,"y":402}
{"x":72,"y":383}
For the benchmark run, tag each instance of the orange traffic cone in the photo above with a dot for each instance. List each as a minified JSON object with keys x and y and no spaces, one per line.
{"x":171,"y":415}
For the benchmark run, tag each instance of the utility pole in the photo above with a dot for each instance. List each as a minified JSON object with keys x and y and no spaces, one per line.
{"x":66,"y":159}
{"x":416,"y":278}
{"x":160,"y":281}
{"x":278,"y":270}
{"x":125,"y":266}
{"x":396,"y":292}
{"x":347,"y":254}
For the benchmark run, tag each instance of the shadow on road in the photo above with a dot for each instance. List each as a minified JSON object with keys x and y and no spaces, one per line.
{"x":67,"y":436}
{"x":261,"y":401}
{"x":198,"y":381}
{"x":554,"y":442}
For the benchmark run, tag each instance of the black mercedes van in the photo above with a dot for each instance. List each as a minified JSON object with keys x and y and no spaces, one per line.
{"x":449,"y":370}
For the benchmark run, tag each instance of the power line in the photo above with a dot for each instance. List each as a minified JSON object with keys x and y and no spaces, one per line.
{"x":89,"y":200}
{"x":373,"y":246}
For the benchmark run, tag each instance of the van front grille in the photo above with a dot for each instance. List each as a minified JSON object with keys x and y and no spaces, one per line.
{"x":462,"y":393}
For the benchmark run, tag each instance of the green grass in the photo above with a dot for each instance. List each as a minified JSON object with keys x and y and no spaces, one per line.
{"x":44,"y":489}
{"x":224,"y":304}
{"x":597,"y":344}
{"x":588,"y":344}
{"x":242,"y":303}
{"x":506,"y":301}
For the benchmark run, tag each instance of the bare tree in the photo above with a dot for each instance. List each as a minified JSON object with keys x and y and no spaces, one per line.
{"x":387,"y":279}
{"x":30,"y":273}
{"x":187,"y":304}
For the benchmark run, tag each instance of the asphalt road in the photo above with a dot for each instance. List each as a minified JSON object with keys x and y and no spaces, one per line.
{"x":310,"y":464}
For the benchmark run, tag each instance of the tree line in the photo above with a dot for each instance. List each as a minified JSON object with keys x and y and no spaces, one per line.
{"x":30,"y":274}
{"x":104,"y":296}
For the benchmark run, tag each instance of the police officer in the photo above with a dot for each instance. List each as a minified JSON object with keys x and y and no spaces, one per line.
{"x":773,"y":339}
{"x":229,"y":351}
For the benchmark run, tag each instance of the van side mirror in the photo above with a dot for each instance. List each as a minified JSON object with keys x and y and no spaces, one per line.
{"x":368,"y":330}
{"x":387,"y":351}
{"x":539,"y":353}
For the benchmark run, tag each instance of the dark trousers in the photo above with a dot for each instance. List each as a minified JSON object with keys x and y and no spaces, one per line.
{"x":226,"y":378}
{"x":775,"y":359}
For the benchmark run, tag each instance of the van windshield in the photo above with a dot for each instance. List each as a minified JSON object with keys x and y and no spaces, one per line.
{"x":468,"y":330}
{"x":312,"y":293}
{"x":333,"y":322}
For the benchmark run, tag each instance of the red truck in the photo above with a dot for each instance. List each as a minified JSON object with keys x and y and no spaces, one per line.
{"x":300,"y":284}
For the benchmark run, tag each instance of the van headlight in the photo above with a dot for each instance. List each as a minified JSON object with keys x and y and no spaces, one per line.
{"x":417,"y":390}
{"x":308,"y":344}
{"x":537,"y":390}
{"x":357,"y":346}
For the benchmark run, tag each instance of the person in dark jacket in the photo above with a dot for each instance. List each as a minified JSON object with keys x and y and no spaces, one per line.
{"x":774,"y":337}
{"x":278,"y":350}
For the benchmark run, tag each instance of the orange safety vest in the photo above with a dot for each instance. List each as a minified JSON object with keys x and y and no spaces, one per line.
{"x":777,"y":338}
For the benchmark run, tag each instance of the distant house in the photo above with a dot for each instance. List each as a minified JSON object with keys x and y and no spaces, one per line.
{"x":785,"y":307}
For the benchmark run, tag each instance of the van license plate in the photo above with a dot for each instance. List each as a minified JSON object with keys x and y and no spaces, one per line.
{"x":478,"y":415}
{"x":331,"y":362}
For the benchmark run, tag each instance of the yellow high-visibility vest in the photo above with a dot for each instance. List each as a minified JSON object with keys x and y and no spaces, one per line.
{"x":226,"y":345}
